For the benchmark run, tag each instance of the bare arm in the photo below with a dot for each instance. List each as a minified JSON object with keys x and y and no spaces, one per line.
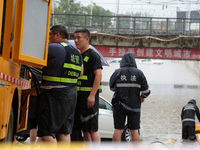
{"x":97,"y":80}
{"x":142,"y":99}
{"x":81,"y":70}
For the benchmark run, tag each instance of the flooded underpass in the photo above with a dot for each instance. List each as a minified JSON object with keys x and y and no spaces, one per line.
{"x":172,"y":85}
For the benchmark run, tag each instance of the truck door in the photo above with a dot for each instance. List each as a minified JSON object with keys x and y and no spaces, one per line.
{"x":31,"y":32}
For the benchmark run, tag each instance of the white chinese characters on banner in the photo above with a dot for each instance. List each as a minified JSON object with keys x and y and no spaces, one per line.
{"x":157,"y":53}
{"x":149,"y":52}
{"x":112,"y":51}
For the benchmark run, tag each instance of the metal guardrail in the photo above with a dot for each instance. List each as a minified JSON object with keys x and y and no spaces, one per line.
{"x":127,"y":25}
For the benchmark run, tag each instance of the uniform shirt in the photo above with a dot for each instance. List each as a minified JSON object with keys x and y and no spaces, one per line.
{"x":129,"y":83}
{"x":56,"y":58}
{"x":91,"y":62}
{"x":188,"y":113}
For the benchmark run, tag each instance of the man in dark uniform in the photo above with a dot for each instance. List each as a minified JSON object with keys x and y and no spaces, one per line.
{"x":88,"y":86}
{"x":59,"y":88}
{"x":188,"y":119}
{"x":36,"y":80}
{"x":131,"y":87}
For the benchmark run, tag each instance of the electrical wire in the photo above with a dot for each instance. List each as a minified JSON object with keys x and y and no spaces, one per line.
{"x":33,"y":72}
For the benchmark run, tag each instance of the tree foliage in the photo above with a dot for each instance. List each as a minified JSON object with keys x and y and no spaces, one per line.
{"x":68,"y":12}
{"x":68,"y":7}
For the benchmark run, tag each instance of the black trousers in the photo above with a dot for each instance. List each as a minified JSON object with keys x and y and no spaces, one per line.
{"x":188,"y":132}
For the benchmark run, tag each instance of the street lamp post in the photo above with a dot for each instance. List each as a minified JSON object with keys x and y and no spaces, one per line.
{"x":91,"y":13}
{"x":188,"y":15}
{"x":117,"y":7}
{"x":117,"y":16}
{"x":53,"y":7}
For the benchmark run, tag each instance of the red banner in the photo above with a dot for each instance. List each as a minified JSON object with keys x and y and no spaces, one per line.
{"x":157,"y":53}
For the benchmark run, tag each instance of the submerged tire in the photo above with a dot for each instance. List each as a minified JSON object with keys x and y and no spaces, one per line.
{"x":22,"y":137}
{"x":126,"y":135}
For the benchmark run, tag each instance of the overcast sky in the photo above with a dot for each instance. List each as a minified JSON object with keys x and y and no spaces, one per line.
{"x":155,"y":8}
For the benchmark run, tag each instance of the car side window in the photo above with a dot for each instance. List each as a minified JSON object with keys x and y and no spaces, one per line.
{"x":108,"y":106}
{"x":104,"y":105}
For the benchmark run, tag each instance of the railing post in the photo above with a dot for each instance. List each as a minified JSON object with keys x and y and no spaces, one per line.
{"x":52,"y":16}
{"x":167,"y":26}
{"x":151,"y":26}
{"x":199,"y":27}
{"x":101,"y":24}
{"x":85,"y":21}
{"x":118,"y":24}
{"x":134,"y":24}
{"x":184,"y":25}
{"x":69,"y":24}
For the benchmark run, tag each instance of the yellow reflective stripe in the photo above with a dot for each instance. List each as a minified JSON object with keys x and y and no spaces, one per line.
{"x":64,"y":44}
{"x":84,"y":88}
{"x":100,"y":87}
{"x":59,"y":79}
{"x":68,"y":80}
{"x":83,"y":77}
{"x":72,"y":66}
{"x":87,"y":88}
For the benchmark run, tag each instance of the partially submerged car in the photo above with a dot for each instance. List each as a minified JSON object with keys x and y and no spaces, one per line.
{"x":151,"y":61}
{"x":115,"y":61}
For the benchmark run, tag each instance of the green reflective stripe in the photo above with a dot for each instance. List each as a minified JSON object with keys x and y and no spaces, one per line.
{"x":58,"y":79}
{"x":87,"y":88}
{"x":72,"y":66}
{"x":64,"y":44}
{"x":83,"y":77}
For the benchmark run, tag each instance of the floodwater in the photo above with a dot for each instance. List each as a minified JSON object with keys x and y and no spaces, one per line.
{"x":172,"y":85}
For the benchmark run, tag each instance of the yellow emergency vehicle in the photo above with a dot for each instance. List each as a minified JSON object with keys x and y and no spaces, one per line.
{"x":24,"y":33}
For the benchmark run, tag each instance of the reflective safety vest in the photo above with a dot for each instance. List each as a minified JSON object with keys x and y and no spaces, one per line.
{"x":71,"y":68}
{"x":85,"y":82}
{"x":87,"y":89}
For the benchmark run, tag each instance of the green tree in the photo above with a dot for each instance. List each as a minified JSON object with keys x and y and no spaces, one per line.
{"x":70,"y":13}
{"x":96,"y":10}
{"x":68,"y":7}
{"x":100,"y":16}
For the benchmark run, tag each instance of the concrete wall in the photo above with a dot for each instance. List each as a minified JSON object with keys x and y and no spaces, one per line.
{"x":195,"y":66}
{"x":187,"y":42}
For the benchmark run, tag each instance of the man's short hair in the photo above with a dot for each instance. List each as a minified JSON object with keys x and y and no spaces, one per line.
{"x":84,"y":31}
{"x":62,"y":30}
